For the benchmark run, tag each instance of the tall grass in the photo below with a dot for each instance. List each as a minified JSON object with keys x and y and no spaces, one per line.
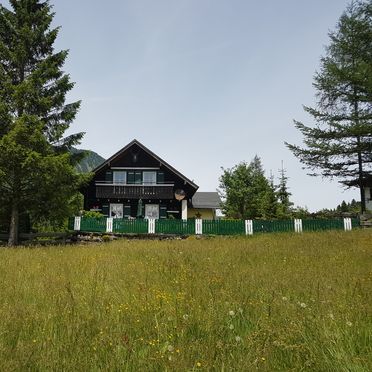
{"x":272,"y":303}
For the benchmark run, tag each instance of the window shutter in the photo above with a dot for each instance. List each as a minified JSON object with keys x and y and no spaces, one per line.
{"x":105,"y":209}
{"x":160,"y":177}
{"x":127,"y":211}
{"x":138,"y":178}
{"x":163,"y":211}
{"x":130,"y":178}
{"x":108,"y":176}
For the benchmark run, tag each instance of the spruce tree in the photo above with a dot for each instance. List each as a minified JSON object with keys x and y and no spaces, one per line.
{"x":340,"y":144}
{"x":283,"y":195}
{"x":37,"y":176}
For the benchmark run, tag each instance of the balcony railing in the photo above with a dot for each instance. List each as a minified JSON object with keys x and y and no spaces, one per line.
{"x":151,"y":191}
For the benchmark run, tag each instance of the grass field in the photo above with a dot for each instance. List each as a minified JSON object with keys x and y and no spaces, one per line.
{"x":275,"y":302}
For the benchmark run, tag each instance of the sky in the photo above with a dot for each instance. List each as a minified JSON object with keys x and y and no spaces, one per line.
{"x":204,"y":84}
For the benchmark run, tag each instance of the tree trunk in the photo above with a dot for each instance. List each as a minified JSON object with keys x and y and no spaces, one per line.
{"x":14,"y":225}
{"x":360,"y":181}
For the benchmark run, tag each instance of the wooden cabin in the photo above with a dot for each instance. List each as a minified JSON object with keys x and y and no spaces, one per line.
{"x":136,"y":183}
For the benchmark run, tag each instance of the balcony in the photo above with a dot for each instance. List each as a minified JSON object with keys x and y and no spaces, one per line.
{"x":124,"y":191}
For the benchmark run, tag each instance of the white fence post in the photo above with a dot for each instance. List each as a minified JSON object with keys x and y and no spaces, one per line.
{"x":109,"y":224}
{"x":298,"y":225}
{"x":248,"y":227}
{"x":198,"y":226}
{"x":151,"y":225}
{"x":77,"y":223}
{"x":347,"y":224}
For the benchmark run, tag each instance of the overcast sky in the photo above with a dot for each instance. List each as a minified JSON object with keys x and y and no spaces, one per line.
{"x":202,"y":83}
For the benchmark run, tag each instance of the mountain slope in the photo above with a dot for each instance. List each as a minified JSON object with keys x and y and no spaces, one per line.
{"x":89,"y":162}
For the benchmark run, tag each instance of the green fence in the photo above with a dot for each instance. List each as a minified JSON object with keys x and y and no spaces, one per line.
{"x":224,"y":227}
{"x":320,"y":224}
{"x":209,"y":227}
{"x":93,"y":224}
{"x":129,"y":226}
{"x":272,"y":226}
{"x":182,"y":227}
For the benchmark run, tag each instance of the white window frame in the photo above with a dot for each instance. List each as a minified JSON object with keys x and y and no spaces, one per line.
{"x":114,"y":206}
{"x":152,"y":207}
{"x":153,"y":181}
{"x":122,"y":180}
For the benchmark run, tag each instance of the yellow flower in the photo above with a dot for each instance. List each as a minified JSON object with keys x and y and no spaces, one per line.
{"x":198,"y":364}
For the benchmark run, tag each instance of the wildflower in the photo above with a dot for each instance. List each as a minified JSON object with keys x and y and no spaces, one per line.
{"x":33,"y":341}
{"x":185,"y":317}
{"x":198,"y":364}
{"x":331,"y":316}
{"x":231,"y":313}
{"x":348,"y":323}
{"x":302,"y":304}
{"x":263,"y":359}
{"x":284,"y":298}
{"x":238,"y":338}
{"x":170,"y":348}
{"x":231,"y":326}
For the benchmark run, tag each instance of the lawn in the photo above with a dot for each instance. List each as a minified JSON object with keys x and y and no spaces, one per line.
{"x":274,"y":302}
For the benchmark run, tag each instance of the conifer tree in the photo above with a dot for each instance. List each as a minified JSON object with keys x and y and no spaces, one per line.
{"x":340,"y":144}
{"x":284,"y":203}
{"x":37,"y":176}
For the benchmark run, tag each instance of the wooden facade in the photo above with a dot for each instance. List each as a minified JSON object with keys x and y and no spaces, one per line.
{"x":136,"y":183}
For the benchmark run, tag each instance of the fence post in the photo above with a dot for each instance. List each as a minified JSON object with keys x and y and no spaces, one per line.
{"x":248,"y":227}
{"x":109,"y":224}
{"x":198,"y":226}
{"x":298,"y":225}
{"x":151,"y":225}
{"x":347,"y":224}
{"x":77,"y":223}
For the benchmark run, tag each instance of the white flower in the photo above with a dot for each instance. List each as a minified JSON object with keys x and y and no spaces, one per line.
{"x":284,"y":298}
{"x":170,"y":348}
{"x":302,"y":304}
{"x":238,"y":338}
{"x":231,"y":313}
{"x":231,"y":326}
{"x":349,"y":323}
{"x":185,"y":317}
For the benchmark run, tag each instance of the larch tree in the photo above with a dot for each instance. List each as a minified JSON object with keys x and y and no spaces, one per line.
{"x":340,"y":143}
{"x":37,"y":175}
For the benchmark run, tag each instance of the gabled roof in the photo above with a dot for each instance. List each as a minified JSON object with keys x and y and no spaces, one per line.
{"x":144,"y":148}
{"x":206,"y":200}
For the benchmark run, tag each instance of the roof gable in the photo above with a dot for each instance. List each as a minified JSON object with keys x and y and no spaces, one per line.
{"x":151,"y":154}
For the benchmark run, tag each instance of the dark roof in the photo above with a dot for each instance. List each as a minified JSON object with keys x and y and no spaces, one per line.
{"x":206,"y":200}
{"x":144,"y":148}
{"x":366,"y":182}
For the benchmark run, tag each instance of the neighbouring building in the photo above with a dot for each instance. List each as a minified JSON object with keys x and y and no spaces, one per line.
{"x":136,"y":183}
{"x":367,"y":189}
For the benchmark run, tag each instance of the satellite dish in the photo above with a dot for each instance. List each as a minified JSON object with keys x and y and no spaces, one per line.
{"x":179,"y":194}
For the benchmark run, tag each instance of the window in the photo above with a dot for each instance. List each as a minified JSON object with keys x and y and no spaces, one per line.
{"x":152,"y":211}
{"x":116,"y":210}
{"x":120,"y":177}
{"x":149,"y":178}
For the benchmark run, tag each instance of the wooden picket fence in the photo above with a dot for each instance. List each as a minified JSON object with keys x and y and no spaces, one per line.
{"x":206,"y":227}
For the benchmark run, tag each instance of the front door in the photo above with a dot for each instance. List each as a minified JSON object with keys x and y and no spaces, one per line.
{"x":152,"y":211}
{"x":116,"y":210}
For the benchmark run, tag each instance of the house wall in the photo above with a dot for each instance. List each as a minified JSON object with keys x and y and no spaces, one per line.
{"x":206,"y":214}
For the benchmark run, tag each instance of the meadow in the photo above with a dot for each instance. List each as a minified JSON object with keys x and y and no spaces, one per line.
{"x":274,"y":302}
